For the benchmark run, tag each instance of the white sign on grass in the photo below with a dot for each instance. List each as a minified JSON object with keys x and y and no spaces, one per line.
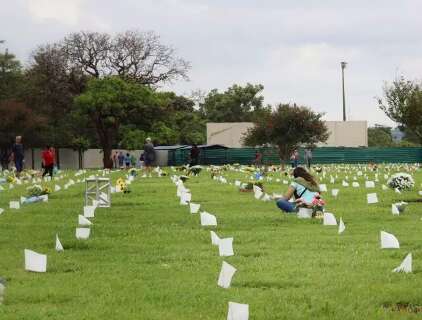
{"x":329,"y":219}
{"x":208,"y":219}
{"x":215,"y":239}
{"x":82,"y":233}
{"x":406,"y":265}
{"x":225,"y":247}
{"x":82,"y":221}
{"x":59,"y":246}
{"x":89,"y":211}
{"x":35,"y":262}
{"x":389,"y":241}
{"x":341,"y":226}
{"x":238,"y":311}
{"x":226,"y":274}
{"x":372,"y":198}
{"x":194,"y":207}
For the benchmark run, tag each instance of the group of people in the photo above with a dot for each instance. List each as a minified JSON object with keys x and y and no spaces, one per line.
{"x":128,"y":160}
{"x":295,"y":158}
{"x":16,"y":154}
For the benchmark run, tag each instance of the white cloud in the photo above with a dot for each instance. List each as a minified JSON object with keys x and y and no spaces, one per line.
{"x":64,"y":11}
{"x":293,"y":48}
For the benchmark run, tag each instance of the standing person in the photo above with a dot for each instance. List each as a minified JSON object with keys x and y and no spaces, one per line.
{"x":121,"y":158}
{"x":308,"y":157}
{"x":55,"y":165}
{"x":115,"y":159}
{"x":258,"y":159}
{"x":194,"y":155}
{"x":47,"y":157}
{"x":294,"y":158}
{"x":18,"y":154}
{"x":127,"y":160}
{"x":132,"y":161}
{"x":149,"y":153}
{"x":141,"y":160}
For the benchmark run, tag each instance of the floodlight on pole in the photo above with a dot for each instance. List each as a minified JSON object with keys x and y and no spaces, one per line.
{"x":343,"y":66}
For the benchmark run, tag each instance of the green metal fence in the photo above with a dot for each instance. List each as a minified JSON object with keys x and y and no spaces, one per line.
{"x":320,"y":155}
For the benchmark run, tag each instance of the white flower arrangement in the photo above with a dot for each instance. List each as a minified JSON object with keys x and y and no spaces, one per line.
{"x":401,"y":181}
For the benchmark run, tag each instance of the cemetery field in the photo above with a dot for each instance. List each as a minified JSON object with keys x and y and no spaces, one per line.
{"x":148,"y":257}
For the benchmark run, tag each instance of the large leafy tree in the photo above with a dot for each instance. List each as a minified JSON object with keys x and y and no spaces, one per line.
{"x":287,"y":127}
{"x":110,"y":103}
{"x":236,"y":104}
{"x":402,"y":103}
{"x":379,"y":136}
{"x":10,"y":76}
{"x":51,"y":84}
{"x":18,"y":119}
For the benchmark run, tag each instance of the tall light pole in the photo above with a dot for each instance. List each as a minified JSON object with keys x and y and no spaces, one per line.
{"x":343,"y":66}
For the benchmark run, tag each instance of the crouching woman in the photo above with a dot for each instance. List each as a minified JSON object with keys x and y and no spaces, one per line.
{"x":304,"y":189}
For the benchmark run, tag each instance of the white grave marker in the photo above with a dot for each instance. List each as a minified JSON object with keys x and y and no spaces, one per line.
{"x":406,"y":265}
{"x":226,"y":274}
{"x":82,"y":233}
{"x":238,"y":311}
{"x":389,"y":241}
{"x":59,"y":246}
{"x":225,"y":247}
{"x":35,"y":262}
{"x":208,"y":219}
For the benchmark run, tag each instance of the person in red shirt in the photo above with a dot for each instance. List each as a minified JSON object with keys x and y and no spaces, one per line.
{"x":47,"y":161}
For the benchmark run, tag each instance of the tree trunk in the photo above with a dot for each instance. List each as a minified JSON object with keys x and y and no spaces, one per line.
{"x":80,"y":158}
{"x":108,"y":163}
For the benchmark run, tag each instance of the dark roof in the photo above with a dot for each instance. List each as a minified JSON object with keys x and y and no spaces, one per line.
{"x":183,"y":146}
{"x":208,"y":146}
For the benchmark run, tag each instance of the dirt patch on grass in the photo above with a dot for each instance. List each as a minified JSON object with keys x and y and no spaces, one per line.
{"x":403,"y":307}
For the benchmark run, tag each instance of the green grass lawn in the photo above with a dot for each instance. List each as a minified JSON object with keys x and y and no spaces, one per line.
{"x":149,"y":258}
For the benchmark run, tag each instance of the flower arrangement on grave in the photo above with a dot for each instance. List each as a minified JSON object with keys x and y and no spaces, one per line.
{"x":162,"y":174}
{"x":184,"y":178}
{"x":122,"y":185}
{"x":133,"y":172}
{"x":248,"y":187}
{"x":10,"y":178}
{"x":318,"y":169}
{"x":194,"y":170}
{"x":37,"y":190}
{"x":318,"y":203}
{"x":215,"y":171}
{"x":401,"y":181}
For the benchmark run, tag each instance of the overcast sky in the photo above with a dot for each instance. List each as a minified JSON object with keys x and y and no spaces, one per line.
{"x":292,"y":47}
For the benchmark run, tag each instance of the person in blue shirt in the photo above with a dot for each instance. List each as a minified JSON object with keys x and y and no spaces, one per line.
{"x":304,"y":189}
{"x":127,"y":160}
{"x":18,"y":155}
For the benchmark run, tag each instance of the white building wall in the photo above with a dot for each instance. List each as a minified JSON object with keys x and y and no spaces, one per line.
{"x":342,"y":134}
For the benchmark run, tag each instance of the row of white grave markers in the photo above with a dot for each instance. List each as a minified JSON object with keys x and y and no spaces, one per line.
{"x":387,"y":240}
{"x":37,"y":262}
{"x":236,"y":311}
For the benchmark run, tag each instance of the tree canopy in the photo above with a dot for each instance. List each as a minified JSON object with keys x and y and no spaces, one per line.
{"x":111,"y":102}
{"x":287,"y":127}
{"x":236,"y":104}
{"x":402,"y":103}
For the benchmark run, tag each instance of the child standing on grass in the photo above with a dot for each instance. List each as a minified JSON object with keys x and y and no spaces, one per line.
{"x":47,"y":161}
